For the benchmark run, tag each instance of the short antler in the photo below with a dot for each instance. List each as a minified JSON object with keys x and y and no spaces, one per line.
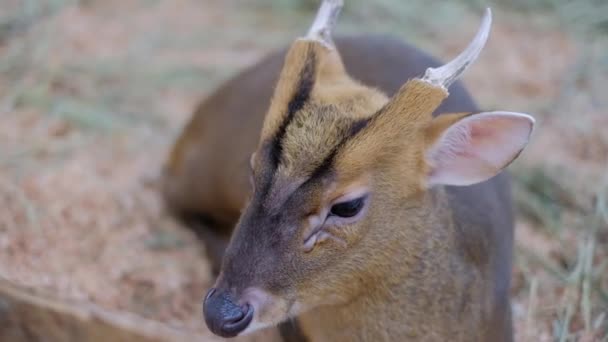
{"x":445,"y":75}
{"x":326,"y":18}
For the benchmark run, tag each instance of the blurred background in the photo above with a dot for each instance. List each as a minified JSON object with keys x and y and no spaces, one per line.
{"x":93,"y":93}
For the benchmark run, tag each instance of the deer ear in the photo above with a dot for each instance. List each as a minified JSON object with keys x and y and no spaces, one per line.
{"x":468,"y":149}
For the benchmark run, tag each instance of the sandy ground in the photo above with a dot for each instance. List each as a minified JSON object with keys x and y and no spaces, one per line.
{"x":93,"y":95}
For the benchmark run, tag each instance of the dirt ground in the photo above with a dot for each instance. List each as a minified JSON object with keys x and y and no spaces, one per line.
{"x":92,"y":94}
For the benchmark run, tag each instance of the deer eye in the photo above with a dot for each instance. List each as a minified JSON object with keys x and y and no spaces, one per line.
{"x":348,"y":208}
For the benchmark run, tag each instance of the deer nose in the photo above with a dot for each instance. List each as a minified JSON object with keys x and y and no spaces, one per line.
{"x":224,"y":317}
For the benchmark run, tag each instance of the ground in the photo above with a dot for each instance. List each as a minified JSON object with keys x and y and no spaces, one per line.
{"x":92,"y":94}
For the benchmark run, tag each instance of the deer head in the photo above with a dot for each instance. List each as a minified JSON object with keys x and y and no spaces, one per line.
{"x":337,"y":165}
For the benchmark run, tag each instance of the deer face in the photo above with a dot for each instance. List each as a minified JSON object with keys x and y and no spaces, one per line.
{"x":337,"y":165}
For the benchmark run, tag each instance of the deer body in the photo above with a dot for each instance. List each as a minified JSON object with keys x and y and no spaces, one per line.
{"x":352,"y":222}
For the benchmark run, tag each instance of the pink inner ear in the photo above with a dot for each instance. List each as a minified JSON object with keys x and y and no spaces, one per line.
{"x":480,"y":131}
{"x":478,"y":147}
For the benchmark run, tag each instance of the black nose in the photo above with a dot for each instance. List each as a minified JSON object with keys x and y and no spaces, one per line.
{"x":223,"y":316}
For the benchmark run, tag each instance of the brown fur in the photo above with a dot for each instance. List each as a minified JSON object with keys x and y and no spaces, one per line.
{"x":422,"y":265}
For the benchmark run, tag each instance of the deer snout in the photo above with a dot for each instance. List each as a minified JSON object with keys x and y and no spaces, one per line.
{"x":223,"y":316}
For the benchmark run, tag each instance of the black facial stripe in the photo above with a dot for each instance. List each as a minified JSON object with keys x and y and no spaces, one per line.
{"x":327,"y":163}
{"x":356,"y":128}
{"x":301,"y":96}
{"x":377,"y":114}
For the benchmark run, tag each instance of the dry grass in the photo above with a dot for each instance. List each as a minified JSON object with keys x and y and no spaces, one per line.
{"x":92,"y":93}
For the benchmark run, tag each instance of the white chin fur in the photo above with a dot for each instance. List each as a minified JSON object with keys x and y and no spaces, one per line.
{"x":259,"y":300}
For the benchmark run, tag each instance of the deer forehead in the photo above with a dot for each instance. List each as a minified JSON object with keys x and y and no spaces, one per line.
{"x":317,"y":132}
{"x":312,"y":137}
{"x":310,"y":143}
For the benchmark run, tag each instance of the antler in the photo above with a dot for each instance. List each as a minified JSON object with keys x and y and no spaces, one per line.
{"x":445,"y":75}
{"x":326,"y":18}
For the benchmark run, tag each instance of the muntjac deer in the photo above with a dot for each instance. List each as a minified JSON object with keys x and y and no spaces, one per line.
{"x":358,"y":212}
